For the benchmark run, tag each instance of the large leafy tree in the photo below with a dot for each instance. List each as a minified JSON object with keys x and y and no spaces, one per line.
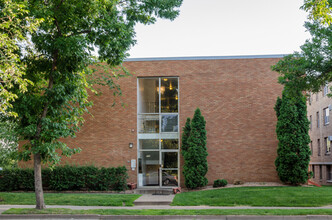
{"x":194,"y":151}
{"x":57,"y":65}
{"x":311,"y":67}
{"x":15,"y":26}
{"x":292,"y":132}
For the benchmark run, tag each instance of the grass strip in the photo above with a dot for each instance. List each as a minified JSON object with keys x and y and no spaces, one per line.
{"x":20,"y":211}
{"x":76,"y":199}
{"x":283,"y":196}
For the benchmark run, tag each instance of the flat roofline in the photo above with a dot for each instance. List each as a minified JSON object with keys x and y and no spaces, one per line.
{"x":208,"y":57}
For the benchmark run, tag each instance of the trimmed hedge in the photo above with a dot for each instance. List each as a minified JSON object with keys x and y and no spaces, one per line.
{"x":220,"y":183}
{"x":67,"y":177}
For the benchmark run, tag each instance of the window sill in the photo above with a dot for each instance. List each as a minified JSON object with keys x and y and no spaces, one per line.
{"x":328,"y":154}
{"x":329,"y":181}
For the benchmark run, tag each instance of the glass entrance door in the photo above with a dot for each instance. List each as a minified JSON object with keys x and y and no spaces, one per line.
{"x":158,"y":132}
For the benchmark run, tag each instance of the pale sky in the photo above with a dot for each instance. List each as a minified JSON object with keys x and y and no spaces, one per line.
{"x":225,"y":27}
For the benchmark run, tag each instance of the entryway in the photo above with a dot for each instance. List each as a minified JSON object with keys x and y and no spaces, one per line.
{"x":158,"y":132}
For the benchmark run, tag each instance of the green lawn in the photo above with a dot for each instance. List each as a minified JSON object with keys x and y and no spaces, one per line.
{"x":175,"y":212}
{"x":77,"y":199}
{"x":258,"y":196}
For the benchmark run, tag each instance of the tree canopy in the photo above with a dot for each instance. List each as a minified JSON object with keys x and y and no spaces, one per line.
{"x":311,"y":67}
{"x":56,"y":65}
{"x":319,"y":10}
{"x":15,"y":26}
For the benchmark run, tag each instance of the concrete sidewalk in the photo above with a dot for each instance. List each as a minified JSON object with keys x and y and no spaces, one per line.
{"x":224,"y":217}
{"x":6,"y":207}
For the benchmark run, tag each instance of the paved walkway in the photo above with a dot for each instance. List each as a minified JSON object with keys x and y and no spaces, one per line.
{"x":6,"y":207}
{"x":224,"y":217}
{"x":153,"y":200}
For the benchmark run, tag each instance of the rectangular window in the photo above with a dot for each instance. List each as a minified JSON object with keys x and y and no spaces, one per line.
{"x":326,"y":112}
{"x":169,"y":95}
{"x":148,"y":123}
{"x":311,"y":149}
{"x":328,"y":173}
{"x":318,"y":146}
{"x":317,"y":115}
{"x":313,"y":171}
{"x":327,"y":146}
{"x":148,"y":96}
{"x":309,"y":98}
{"x":310,"y":119}
{"x":320,"y":172}
{"x":326,"y":90}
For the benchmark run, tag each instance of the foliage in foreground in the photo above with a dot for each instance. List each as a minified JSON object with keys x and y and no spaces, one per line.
{"x":283,"y":196}
{"x":8,"y":143}
{"x":62,"y":178}
{"x":311,"y":67}
{"x":56,"y":65}
{"x":75,"y":199}
{"x":319,"y":10}
{"x":173,"y":211}
{"x":194,"y":152}
{"x":15,"y":26}
{"x":292,"y":130}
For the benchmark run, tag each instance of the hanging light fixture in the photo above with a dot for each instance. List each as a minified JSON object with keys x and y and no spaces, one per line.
{"x":170,"y":86}
{"x":162,"y":89}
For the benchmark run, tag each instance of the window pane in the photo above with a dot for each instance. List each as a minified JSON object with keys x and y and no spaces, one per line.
{"x":169,"y":123}
{"x":169,"y":159}
{"x":148,"y":97}
{"x":149,"y":144}
{"x":169,"y":143}
{"x":169,"y":95}
{"x":149,"y":168}
{"x":170,"y":178}
{"x":148,"y":124}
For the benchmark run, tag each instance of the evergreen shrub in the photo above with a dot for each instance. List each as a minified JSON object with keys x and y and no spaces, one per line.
{"x":220,"y":183}
{"x":194,"y":151}
{"x":292,"y":132}
{"x":67,"y":177}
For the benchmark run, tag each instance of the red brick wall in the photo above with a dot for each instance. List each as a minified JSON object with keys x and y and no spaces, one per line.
{"x":236,"y":97}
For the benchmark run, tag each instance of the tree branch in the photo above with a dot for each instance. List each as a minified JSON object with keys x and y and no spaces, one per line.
{"x":57,"y":26}
{"x":50,"y":86}
{"x":57,"y":7}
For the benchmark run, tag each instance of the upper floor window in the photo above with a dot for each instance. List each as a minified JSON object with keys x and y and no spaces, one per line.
{"x":310,"y":119}
{"x":317,"y":116}
{"x":326,"y":116}
{"x":158,"y":99}
{"x":318,"y":147}
{"x":326,"y":90}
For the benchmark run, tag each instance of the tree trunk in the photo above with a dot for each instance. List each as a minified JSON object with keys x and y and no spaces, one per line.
{"x":38,"y":183}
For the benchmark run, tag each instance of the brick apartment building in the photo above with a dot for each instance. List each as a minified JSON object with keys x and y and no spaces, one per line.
{"x":319,"y":107}
{"x":236,"y":95}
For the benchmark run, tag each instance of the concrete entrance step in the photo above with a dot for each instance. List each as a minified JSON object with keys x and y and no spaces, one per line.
{"x":154,"y":191}
{"x":149,"y":199}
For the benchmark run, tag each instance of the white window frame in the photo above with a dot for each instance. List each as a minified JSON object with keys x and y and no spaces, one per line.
{"x":326,"y":116}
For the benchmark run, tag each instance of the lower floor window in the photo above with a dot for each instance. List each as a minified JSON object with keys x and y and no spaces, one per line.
{"x":328,"y":173}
